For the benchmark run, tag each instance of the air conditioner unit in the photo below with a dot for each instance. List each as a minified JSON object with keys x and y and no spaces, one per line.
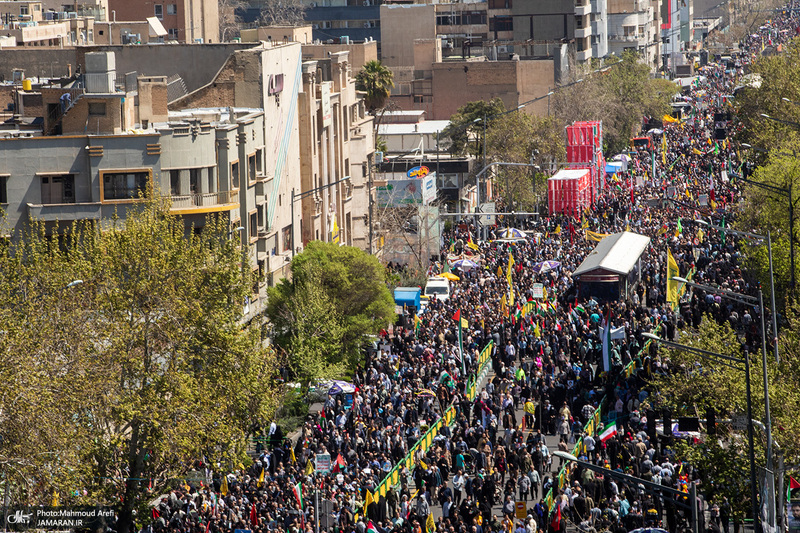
{"x":503,"y":50}
{"x":366,"y":25}
{"x":315,"y":26}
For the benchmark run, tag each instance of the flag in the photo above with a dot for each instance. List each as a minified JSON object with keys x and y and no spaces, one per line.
{"x":679,"y":228}
{"x":371,"y":527}
{"x":609,"y":432}
{"x":261,"y":475}
{"x":711,"y":194}
{"x":556,"y":523}
{"x":607,"y":344}
{"x":499,"y":271}
{"x":430,"y":525}
{"x":223,"y":486}
{"x":672,"y":285}
{"x":664,"y":149}
{"x":793,"y":485}
{"x":253,"y":514}
{"x":417,"y":322}
{"x":700,"y":235}
{"x":584,"y":222}
{"x":309,"y":467}
{"x":510,"y":266}
{"x":457,"y":316}
{"x":298,"y":493}
{"x":292,"y":455}
{"x":368,"y":500}
{"x":557,"y":230}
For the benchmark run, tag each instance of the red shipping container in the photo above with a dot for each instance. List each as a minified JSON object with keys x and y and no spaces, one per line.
{"x":581,"y":153}
{"x":569,"y":191}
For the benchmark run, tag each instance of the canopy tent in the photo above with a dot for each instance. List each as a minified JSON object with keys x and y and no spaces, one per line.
{"x":611,"y":271}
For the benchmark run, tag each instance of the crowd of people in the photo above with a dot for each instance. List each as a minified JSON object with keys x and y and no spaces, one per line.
{"x":547,"y":376}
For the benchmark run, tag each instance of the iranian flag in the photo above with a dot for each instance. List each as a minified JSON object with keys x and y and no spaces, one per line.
{"x":298,"y":493}
{"x":609,"y":432}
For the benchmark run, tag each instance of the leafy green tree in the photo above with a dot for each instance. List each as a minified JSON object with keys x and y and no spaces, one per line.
{"x":377,"y":81}
{"x":778,"y":78}
{"x":347,"y":283}
{"x":764,"y":211}
{"x":522,"y":138}
{"x":466,"y":127}
{"x":619,"y":96}
{"x":135,"y":373}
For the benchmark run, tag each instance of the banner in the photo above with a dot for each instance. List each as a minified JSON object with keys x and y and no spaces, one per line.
{"x":596,"y":237}
{"x":672,"y":285}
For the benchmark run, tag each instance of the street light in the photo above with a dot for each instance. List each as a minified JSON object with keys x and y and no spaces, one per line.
{"x":785,"y":191}
{"x":746,"y":360}
{"x":743,"y":298}
{"x":768,"y":240}
{"x":655,"y":487}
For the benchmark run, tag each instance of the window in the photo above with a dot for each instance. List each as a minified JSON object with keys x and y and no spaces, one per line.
{"x":253,"y":225}
{"x":175,"y":182}
{"x":125,"y":185}
{"x":58,"y":189}
{"x":3,"y":189}
{"x":287,"y":238}
{"x":159,"y":11}
{"x":260,"y":212}
{"x":579,"y":22}
{"x":260,"y":160}
{"x":251,"y":168}
{"x":97,"y":109}
{"x":172,"y":9}
{"x":173,"y":34}
{"x":501,"y":24}
{"x":194,"y":180}
{"x":23,"y":10}
{"x":235,"y":175}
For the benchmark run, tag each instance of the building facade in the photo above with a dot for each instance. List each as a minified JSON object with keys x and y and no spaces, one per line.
{"x":634,"y":25}
{"x":186,"y":21}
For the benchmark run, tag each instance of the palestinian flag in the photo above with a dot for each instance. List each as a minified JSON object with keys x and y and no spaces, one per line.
{"x":609,"y":432}
{"x":298,"y":493}
{"x":371,"y":527}
{"x":793,"y":486}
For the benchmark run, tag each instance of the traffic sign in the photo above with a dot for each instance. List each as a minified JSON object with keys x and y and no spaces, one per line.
{"x":739,"y":423}
{"x":487,"y":207}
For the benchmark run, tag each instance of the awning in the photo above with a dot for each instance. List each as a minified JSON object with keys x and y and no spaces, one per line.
{"x":156,"y":28}
{"x":616,"y":254}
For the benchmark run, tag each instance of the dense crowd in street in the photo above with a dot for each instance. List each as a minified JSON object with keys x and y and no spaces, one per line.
{"x":547,"y":376}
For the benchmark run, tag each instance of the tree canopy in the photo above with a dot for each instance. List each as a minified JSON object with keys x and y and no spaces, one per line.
{"x":125,"y":361}
{"x":337,"y":295}
{"x":376,"y":81}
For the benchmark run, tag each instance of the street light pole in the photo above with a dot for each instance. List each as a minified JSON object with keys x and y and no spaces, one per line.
{"x":751,"y":446}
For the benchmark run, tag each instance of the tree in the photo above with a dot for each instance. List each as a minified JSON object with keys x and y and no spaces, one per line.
{"x":466,"y":127}
{"x":283,"y":12}
{"x":376,"y":81}
{"x":619,"y":96}
{"x":229,"y":18}
{"x":144,"y":367}
{"x":522,"y":138}
{"x":345,"y":282}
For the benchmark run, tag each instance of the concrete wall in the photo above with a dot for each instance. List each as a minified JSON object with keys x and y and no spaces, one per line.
{"x":360,"y":53}
{"x":401,"y":24}
{"x":552,"y":19}
{"x":512,"y":81}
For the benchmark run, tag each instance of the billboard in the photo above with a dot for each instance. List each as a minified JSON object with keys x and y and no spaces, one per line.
{"x":403,"y":192}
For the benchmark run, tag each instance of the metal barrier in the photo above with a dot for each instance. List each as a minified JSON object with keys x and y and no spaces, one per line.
{"x":448,"y":418}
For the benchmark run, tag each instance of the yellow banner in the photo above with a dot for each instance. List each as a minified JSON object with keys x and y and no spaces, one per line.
{"x":669,"y":119}
{"x":672,"y":285}
{"x":596,"y":237}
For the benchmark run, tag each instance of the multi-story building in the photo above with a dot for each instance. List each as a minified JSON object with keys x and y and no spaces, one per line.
{"x":633,"y":25}
{"x":582,"y":22}
{"x":186,"y":21}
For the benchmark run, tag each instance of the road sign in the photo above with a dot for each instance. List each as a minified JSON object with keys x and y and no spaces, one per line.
{"x":323,"y":463}
{"x":487,"y":207}
{"x":522,"y":512}
{"x":739,"y":423}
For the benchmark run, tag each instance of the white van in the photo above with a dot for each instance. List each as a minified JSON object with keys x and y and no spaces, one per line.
{"x":438,"y":288}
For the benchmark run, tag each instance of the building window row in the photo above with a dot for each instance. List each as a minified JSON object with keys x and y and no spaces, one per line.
{"x":461,"y":19}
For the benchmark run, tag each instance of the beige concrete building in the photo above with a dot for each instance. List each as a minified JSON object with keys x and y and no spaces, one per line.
{"x":186,"y":21}
{"x":336,"y":140}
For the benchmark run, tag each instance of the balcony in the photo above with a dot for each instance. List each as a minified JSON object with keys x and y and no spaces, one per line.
{"x":584,"y":55}
{"x":582,"y":10}
{"x":204,"y":202}
{"x":640,"y":39}
{"x":582,"y":33}
{"x":65,"y":212}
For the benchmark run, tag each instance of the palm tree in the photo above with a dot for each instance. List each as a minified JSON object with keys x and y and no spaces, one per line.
{"x":376,"y":81}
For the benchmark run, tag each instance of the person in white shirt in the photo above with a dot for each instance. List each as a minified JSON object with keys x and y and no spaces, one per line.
{"x":459,"y":481}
